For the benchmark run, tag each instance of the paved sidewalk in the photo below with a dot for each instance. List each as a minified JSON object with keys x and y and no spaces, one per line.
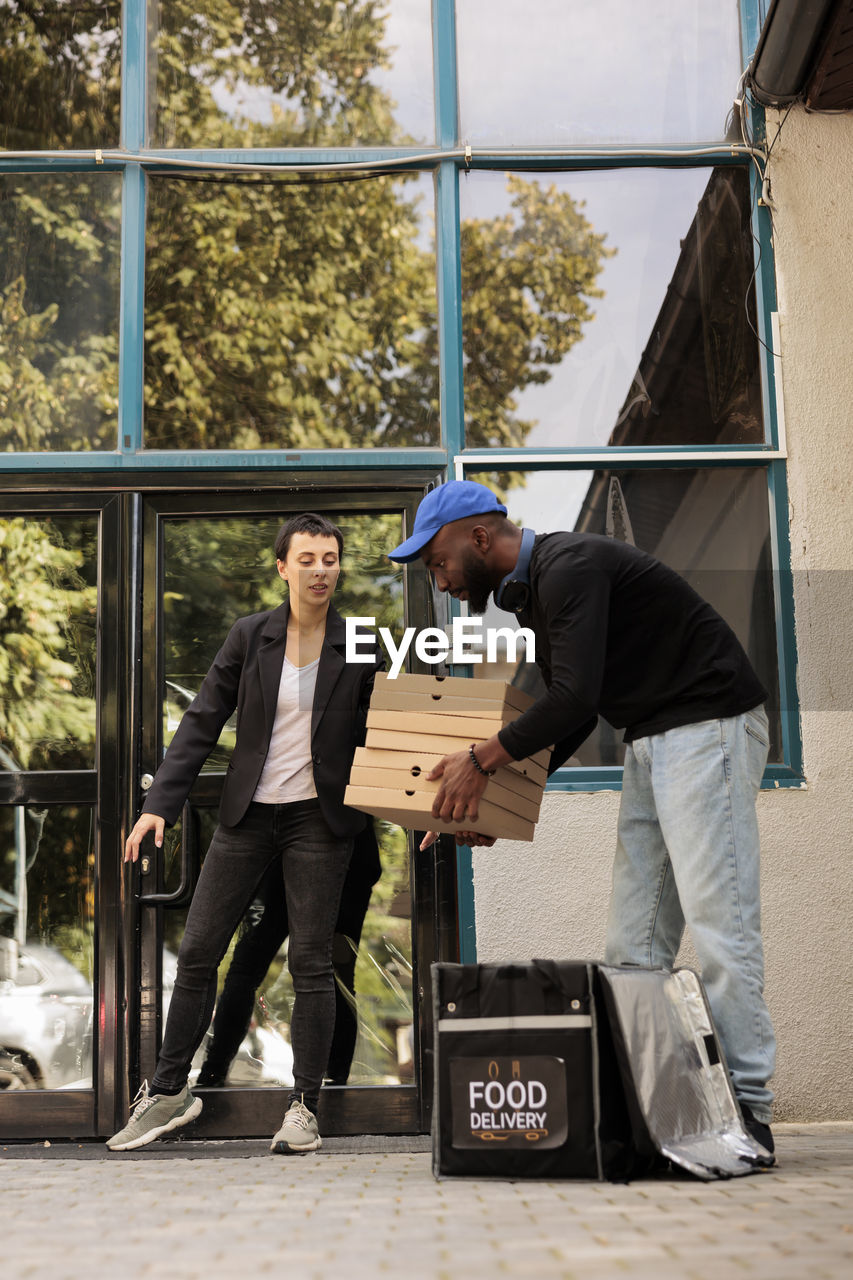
{"x":340,"y":1214}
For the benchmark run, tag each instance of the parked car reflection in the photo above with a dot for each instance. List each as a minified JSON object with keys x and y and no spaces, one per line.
{"x":46,"y":1018}
{"x":45,"y":1022}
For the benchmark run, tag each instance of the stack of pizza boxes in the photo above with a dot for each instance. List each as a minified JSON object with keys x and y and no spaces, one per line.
{"x":412,"y":722}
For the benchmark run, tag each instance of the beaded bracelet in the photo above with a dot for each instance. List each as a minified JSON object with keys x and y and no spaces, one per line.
{"x":487,"y":773}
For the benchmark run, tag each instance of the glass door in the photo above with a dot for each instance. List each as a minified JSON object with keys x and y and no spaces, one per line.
{"x":207,"y":560}
{"x":60,"y":801}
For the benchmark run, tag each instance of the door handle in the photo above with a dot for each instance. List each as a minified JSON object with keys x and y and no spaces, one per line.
{"x":189,"y":866}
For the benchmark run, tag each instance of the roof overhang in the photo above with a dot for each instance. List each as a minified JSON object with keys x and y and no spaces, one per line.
{"x":805,"y":53}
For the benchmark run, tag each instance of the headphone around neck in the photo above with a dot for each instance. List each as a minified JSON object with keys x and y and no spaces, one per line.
{"x":514,"y":590}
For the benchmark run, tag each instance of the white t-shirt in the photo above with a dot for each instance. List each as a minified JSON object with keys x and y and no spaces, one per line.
{"x":288,"y":773}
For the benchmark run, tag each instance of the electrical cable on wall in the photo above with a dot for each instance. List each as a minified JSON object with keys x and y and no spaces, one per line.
{"x":466,"y":155}
{"x":767,"y":200}
{"x":743,"y":103}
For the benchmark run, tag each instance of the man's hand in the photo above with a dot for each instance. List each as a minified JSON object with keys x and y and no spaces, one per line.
{"x":461,"y":788}
{"x":146,"y":822}
{"x":472,"y":838}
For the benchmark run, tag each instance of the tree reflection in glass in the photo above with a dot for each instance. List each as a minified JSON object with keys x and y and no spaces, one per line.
{"x":60,"y":68}
{"x":282,"y":315}
{"x":48,"y":630}
{"x":291,"y":73}
{"x":621,"y":311}
{"x":59,"y":302}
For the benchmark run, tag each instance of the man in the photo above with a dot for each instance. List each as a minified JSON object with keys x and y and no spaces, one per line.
{"x":620,"y":634}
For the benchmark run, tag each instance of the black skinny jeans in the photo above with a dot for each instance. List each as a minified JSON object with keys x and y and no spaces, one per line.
{"x":263,"y":932}
{"x":314,"y":863}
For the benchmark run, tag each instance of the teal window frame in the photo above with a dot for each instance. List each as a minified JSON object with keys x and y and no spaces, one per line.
{"x":447,"y":159}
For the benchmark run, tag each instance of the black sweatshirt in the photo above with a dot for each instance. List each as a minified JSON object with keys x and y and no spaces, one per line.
{"x":617,"y":632}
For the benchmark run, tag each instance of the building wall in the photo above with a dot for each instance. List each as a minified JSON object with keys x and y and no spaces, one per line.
{"x":550,"y":898}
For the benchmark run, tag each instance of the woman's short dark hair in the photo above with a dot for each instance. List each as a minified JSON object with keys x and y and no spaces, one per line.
{"x":309,"y":522}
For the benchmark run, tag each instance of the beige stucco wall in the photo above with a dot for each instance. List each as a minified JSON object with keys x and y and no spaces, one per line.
{"x":550,"y":898}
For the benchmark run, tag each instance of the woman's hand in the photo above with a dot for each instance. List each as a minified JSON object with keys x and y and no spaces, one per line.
{"x":145,"y":823}
{"x":472,"y":839}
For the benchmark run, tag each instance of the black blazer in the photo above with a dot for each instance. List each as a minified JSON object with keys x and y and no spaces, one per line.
{"x":245,"y":674}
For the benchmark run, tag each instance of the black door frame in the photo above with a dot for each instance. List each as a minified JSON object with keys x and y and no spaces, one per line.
{"x":79,"y":1112}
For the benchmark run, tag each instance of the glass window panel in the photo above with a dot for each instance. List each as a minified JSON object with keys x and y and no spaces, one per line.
{"x":47,"y":901}
{"x":48,"y":637}
{"x":221,"y":568}
{"x":63,"y":60}
{"x":712,"y":525}
{"x":609,"y":308}
{"x":573,"y":72}
{"x":59,"y":306}
{"x":291,"y":73}
{"x":291,"y":316}
{"x":374,"y":1039}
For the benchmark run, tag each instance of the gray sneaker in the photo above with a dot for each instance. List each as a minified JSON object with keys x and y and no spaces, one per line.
{"x":298,"y":1133}
{"x":154,"y":1114}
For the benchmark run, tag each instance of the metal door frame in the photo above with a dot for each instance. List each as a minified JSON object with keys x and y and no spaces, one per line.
{"x":79,"y":1113}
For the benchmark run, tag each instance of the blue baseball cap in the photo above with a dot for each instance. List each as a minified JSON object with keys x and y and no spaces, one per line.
{"x":452,"y":501}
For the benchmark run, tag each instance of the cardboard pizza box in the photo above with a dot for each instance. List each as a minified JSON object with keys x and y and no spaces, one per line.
{"x":469,"y":728}
{"x":511,"y":780}
{"x":533,"y":767}
{"x":381,"y":758}
{"x":496,"y":692}
{"x":403,"y":700}
{"x":403,"y":780}
{"x":414,"y":812}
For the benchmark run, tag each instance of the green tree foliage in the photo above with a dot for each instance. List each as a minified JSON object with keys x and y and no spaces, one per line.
{"x":527,"y":281}
{"x":383,"y":975}
{"x":47,"y":629}
{"x":59,"y":72}
{"x":278,"y":314}
{"x":59,"y":287}
{"x":59,"y":68}
{"x":284,"y":315}
{"x":313,"y":60}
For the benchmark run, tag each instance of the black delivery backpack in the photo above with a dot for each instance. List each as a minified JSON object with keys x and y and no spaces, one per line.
{"x":572,"y":1069}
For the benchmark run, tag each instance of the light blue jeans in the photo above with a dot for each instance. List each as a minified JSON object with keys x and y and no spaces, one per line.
{"x":688,"y":852}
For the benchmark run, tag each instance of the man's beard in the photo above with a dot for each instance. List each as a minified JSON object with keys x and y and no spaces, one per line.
{"x":478,"y":582}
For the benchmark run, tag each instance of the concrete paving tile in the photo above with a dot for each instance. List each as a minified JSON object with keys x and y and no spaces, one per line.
{"x":385,"y":1215}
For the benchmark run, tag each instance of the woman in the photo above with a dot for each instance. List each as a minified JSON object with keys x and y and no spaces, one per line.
{"x":301,"y":712}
